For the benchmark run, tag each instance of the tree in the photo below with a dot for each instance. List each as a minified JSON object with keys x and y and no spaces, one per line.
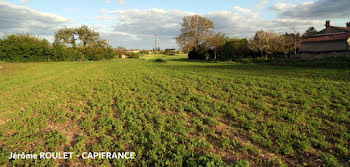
{"x":195,"y":32}
{"x":66,"y":36}
{"x":266,"y":43}
{"x":70,"y":36}
{"x":86,"y":35}
{"x":291,"y":42}
{"x":310,"y":32}
{"x":86,"y":44}
{"x":25,"y":47}
{"x":216,"y":42}
{"x":233,"y":49}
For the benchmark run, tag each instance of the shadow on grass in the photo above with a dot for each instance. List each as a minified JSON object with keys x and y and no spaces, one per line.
{"x":262,"y":70}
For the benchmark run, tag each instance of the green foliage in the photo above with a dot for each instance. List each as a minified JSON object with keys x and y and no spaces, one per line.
{"x":27,"y":48}
{"x":169,"y":52}
{"x":54,"y":139}
{"x":234,"y":49}
{"x":309,"y":32}
{"x":132,"y":55}
{"x":199,"y":54}
{"x":243,"y":163}
{"x":24,"y":47}
{"x":178,"y":113}
{"x":329,"y":160}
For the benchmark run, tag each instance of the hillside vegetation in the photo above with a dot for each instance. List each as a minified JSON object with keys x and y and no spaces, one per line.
{"x":175,"y":112}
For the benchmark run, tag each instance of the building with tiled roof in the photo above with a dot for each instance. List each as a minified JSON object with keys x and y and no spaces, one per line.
{"x":330,"y":39}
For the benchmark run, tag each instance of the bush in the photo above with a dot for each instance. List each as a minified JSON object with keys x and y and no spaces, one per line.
{"x":234,"y":49}
{"x":27,"y":48}
{"x":199,"y":54}
{"x":96,"y":52}
{"x":24,"y":47}
{"x":169,"y":52}
{"x":133,"y":55}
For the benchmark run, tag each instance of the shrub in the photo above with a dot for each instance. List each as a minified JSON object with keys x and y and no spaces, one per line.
{"x":169,"y":52}
{"x":98,"y":52}
{"x":234,"y":49}
{"x":24,"y":47}
{"x":199,"y":54}
{"x":133,"y":55}
{"x":27,"y":48}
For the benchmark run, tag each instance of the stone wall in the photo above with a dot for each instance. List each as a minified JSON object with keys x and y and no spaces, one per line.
{"x":327,"y":46}
{"x":322,"y":55}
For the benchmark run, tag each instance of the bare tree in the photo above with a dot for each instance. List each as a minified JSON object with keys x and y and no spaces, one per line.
{"x":217,"y":41}
{"x":296,"y":40}
{"x":266,"y":43}
{"x":196,"y":31}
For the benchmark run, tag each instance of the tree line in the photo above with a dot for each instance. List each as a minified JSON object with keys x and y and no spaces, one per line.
{"x":199,"y":39}
{"x":70,"y":44}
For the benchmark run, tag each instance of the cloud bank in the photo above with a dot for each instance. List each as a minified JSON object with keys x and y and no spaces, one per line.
{"x":319,"y":9}
{"x":18,"y":19}
{"x":140,"y":26}
{"x":135,"y":28}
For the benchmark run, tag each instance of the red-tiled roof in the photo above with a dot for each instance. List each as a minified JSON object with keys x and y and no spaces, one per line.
{"x":343,"y":28}
{"x":333,"y":37}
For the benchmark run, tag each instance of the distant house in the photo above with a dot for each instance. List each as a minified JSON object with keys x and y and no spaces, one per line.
{"x":330,"y":39}
{"x":133,"y":51}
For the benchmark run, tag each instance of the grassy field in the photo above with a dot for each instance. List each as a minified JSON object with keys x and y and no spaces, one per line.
{"x":174,"y":112}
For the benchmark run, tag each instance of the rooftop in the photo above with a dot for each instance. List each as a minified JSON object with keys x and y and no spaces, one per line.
{"x":330,"y":33}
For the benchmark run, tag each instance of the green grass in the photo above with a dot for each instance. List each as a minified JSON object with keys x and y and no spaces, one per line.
{"x":176,"y":113}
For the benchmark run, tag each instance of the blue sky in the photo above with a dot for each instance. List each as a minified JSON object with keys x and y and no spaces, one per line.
{"x":133,"y":23}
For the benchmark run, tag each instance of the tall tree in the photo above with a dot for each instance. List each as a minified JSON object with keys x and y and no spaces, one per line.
{"x":310,"y":32}
{"x":87,"y":35}
{"x":83,"y":34}
{"x":195,"y":32}
{"x":296,"y":40}
{"x":217,"y":41}
{"x":66,"y":36}
{"x":266,"y":43}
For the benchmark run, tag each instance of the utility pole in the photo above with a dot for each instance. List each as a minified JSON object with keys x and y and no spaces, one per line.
{"x":155,"y":43}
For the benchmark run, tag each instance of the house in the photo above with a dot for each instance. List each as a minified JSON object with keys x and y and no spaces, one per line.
{"x":133,"y":51}
{"x":332,"y":39}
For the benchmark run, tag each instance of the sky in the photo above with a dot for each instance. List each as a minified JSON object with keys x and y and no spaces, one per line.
{"x":134,"y":23}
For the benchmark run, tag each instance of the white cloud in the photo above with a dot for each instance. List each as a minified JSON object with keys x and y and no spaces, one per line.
{"x":135,"y":28}
{"x":282,"y":6}
{"x":24,"y":1}
{"x":246,"y":11}
{"x":104,"y":18}
{"x":150,"y":21}
{"x":121,"y":2}
{"x":261,"y":4}
{"x":18,"y":19}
